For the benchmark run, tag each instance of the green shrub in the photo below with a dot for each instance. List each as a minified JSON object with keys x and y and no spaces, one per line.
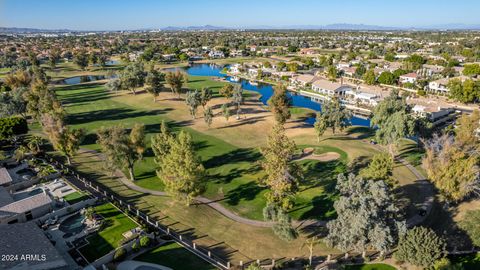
{"x":421,"y":247}
{"x":144,"y":241}
{"x":120,"y":254}
{"x":135,"y":246}
{"x":12,"y":126}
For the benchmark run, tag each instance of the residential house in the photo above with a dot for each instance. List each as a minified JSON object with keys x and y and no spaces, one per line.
{"x":439,"y":86}
{"x":349,"y":71}
{"x":364,"y":98}
{"x":436,"y":115}
{"x":307,"y":51}
{"x":302,"y":80}
{"x":235,"y":68}
{"x":216,"y":54}
{"x":23,"y":206}
{"x":408,"y":78}
{"x":237,"y":53}
{"x":329,"y":88}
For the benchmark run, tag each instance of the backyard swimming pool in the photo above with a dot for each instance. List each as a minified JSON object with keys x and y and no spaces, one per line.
{"x":72,"y":225}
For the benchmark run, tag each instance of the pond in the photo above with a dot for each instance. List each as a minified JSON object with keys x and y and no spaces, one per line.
{"x":266,"y":90}
{"x":84,"y":79}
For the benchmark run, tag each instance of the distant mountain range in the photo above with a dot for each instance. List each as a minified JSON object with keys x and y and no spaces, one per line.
{"x":337,"y":26}
{"x":33,"y":30}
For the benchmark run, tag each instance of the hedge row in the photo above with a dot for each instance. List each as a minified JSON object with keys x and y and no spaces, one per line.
{"x":12,"y":126}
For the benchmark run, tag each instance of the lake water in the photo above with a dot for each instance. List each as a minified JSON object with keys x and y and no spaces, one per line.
{"x":83,"y":79}
{"x":266,"y":90}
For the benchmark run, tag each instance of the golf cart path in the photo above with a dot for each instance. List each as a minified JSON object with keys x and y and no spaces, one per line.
{"x":258,"y":223}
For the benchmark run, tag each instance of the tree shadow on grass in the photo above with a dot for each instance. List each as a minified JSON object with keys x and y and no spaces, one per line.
{"x":110,"y":115}
{"x":364,"y":132}
{"x":248,"y":191}
{"x":321,"y":208}
{"x":321,"y":173}
{"x":235,"y":156}
{"x":245,"y":121}
{"x":226,"y":177}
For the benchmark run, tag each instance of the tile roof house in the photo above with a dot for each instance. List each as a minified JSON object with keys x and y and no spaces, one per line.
{"x":25,"y":208}
{"x":5,"y":178}
{"x":328,"y":88}
{"x":408,"y":78}
{"x":302,"y":80}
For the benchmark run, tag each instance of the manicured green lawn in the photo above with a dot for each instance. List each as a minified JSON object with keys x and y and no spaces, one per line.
{"x":75,"y":197}
{"x":232,"y":172}
{"x":373,"y":266}
{"x":109,"y":237}
{"x":176,"y":257}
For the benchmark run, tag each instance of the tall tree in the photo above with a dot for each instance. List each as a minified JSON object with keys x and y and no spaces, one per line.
{"x":19,"y":78}
{"x":369,"y":77}
{"x":380,"y":168}
{"x":113,"y":85}
{"x":208,"y":116}
{"x":421,"y":247}
{"x":13,"y":103}
{"x":237,"y":99}
{"x":54,"y":57}
{"x":122,"y":150}
{"x":280,"y":103}
{"x":161,"y":142}
{"x":466,"y":92}
{"x":393,"y":120}
{"x":65,"y":140}
{"x":206,"y":95}
{"x":193,"y":100}
{"x":133,"y":76}
{"x":154,"y":83}
{"x":335,"y":116}
{"x":282,"y":175}
{"x":227,"y":91}
{"x":179,"y":168}
{"x":367,"y":216}
{"x":80,"y":58}
{"x":40,"y":100}
{"x":452,"y":168}
{"x":175,"y":80}
{"x":332,"y":73}
{"x":320,"y":125}
{"x":226,"y":111}
{"x":466,"y":130}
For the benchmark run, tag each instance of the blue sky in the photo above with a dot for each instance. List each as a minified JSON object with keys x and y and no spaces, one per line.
{"x":123,"y":14}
